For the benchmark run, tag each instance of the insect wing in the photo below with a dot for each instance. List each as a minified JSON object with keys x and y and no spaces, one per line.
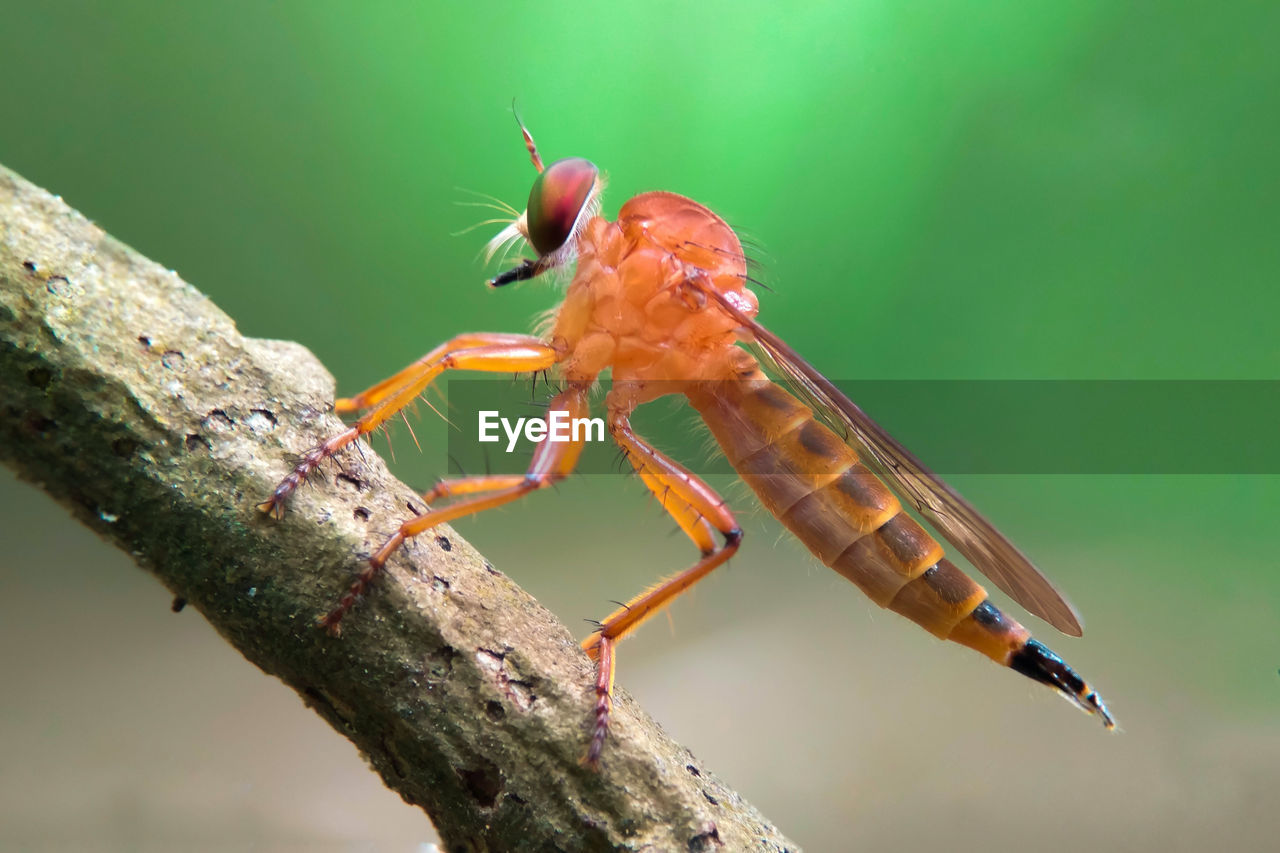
{"x":942,"y":506}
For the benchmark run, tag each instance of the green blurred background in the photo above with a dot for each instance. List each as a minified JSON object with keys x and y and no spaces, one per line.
{"x":940,"y":190}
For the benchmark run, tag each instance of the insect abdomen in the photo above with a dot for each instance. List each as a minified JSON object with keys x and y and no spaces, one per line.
{"x":814,"y":483}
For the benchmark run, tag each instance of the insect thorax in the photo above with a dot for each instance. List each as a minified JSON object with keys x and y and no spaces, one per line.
{"x":631,"y":305}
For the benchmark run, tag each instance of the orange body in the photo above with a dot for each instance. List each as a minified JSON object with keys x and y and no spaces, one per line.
{"x":628,"y":308}
{"x":659,"y":299}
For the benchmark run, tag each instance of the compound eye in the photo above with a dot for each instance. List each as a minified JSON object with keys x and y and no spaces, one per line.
{"x":556,"y":202}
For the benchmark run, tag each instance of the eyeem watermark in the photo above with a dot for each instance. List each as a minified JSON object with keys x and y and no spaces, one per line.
{"x":556,"y":426}
{"x":978,"y":427}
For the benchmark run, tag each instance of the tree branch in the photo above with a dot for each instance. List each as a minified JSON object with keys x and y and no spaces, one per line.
{"x":133,"y":400}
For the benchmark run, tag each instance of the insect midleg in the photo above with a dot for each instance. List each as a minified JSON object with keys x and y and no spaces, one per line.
{"x":697,"y":509}
{"x":552,"y":461}
{"x":375,"y":394}
{"x":464,"y":353}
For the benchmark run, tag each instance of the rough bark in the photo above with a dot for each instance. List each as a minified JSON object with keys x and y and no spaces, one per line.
{"x":131,"y":399}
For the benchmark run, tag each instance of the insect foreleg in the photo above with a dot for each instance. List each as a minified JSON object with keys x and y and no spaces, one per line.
{"x":698,"y":510}
{"x":459,"y":486}
{"x":491,"y":353}
{"x":375,"y":394}
{"x":552,"y":461}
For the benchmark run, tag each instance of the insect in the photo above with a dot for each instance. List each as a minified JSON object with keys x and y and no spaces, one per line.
{"x":659,"y":297}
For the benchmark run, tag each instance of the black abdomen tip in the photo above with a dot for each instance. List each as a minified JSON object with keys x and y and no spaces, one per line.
{"x":1037,"y":662}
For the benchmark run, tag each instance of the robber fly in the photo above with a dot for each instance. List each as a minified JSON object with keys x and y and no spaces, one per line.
{"x":659,"y":297}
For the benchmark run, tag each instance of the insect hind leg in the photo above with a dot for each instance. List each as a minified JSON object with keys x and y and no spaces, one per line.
{"x":700,"y":512}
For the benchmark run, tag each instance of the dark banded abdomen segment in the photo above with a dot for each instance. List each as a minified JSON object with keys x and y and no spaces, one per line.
{"x":939,"y":598}
{"x":812,"y":481}
{"x":802,"y":472}
{"x":928,"y":589}
{"x":890,"y":559}
{"x":809,"y":478}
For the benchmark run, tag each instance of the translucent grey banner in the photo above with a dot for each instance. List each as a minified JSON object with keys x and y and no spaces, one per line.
{"x":953,"y":426}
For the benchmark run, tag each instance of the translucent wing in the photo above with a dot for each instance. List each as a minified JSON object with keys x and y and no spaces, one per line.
{"x":950,"y":514}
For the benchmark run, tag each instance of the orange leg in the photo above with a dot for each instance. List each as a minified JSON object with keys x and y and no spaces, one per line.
{"x":459,"y":486}
{"x":375,"y":394}
{"x":497,"y":353}
{"x":552,"y":462}
{"x":698,"y":510}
